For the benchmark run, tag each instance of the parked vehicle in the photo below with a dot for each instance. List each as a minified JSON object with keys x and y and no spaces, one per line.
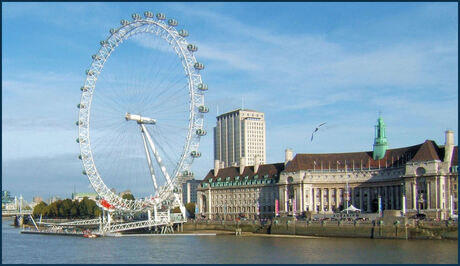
{"x":419,"y":216}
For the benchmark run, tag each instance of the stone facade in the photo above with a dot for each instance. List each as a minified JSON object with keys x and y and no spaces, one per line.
{"x":239,"y":192}
{"x":420,"y":178}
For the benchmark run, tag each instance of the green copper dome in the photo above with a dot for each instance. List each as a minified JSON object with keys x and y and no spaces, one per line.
{"x":380,"y":141}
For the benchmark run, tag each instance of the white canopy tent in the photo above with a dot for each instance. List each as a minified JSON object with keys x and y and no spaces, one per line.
{"x":351,"y":208}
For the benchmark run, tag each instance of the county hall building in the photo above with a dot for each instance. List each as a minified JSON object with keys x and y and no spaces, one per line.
{"x":419,"y":178}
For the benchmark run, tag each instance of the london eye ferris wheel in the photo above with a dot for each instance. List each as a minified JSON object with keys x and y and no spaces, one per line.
{"x":141,"y":112}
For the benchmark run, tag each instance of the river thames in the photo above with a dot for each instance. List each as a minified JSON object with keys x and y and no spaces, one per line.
{"x":25,"y":248}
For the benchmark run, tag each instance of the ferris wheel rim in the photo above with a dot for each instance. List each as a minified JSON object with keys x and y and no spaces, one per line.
{"x":196,"y":100}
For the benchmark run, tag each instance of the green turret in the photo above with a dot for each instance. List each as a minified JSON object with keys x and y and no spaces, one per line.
{"x":380,"y":142}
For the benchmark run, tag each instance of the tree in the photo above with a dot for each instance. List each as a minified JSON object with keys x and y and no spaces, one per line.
{"x":39,"y":209}
{"x":191,"y":209}
{"x":128,"y":196}
{"x":96,"y":211}
{"x":51,"y":211}
{"x":176,"y":210}
{"x":85,"y":208}
{"x":64,"y":208}
{"x":74,"y":212}
{"x":68,"y":209}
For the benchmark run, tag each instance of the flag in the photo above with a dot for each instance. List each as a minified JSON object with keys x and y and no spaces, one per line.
{"x":276,"y":208}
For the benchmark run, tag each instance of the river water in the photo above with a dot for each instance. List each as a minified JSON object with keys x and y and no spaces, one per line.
{"x":25,"y":248}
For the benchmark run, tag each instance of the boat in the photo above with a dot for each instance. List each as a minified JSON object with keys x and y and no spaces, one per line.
{"x":88,"y":234}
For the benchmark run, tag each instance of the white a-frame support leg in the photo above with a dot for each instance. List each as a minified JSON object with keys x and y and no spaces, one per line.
{"x":155,"y":152}
{"x":149,"y":159}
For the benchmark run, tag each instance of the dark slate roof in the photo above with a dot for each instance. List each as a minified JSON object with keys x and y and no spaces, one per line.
{"x":272,"y":170}
{"x":454,"y":160}
{"x":426,"y":151}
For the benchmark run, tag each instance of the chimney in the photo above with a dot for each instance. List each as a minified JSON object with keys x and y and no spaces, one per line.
{"x":216,"y":167}
{"x":449,"y":146}
{"x":256,"y":163}
{"x":288,"y":156}
{"x":242,"y":165}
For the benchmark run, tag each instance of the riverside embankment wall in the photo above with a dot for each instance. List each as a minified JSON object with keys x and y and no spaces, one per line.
{"x":334,"y":229}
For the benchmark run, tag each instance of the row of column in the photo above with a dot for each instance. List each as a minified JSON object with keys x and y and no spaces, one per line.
{"x":325,"y":199}
{"x":435,"y":193}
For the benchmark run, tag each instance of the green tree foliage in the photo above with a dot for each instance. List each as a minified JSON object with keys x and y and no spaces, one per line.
{"x":96,"y":211}
{"x":39,"y":209}
{"x":191,"y":209}
{"x":68,"y":209}
{"x":128,"y":196}
{"x":176,"y":210}
{"x":74,"y":211}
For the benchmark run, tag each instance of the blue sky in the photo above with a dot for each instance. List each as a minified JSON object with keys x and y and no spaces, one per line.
{"x":300,"y":63}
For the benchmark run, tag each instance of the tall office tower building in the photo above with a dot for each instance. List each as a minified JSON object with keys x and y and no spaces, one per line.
{"x":239,"y":134}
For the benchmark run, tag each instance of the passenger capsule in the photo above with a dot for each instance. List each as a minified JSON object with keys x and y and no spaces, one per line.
{"x":198,"y":66}
{"x":203,"y":109}
{"x":161,"y":16}
{"x":192,"y":48}
{"x":148,"y":14}
{"x":112,"y":31}
{"x":104,"y":42}
{"x":136,"y":16}
{"x":183,"y":33}
{"x":84,"y":172}
{"x":124,"y":22}
{"x":195,"y":154}
{"x":202,"y":87}
{"x":89,"y":72}
{"x":187,"y":173}
{"x":78,"y":123}
{"x":201,"y":132}
{"x":78,"y":140}
{"x":96,"y":57}
{"x":79,"y":156}
{"x":172,"y":22}
{"x":80,"y":106}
